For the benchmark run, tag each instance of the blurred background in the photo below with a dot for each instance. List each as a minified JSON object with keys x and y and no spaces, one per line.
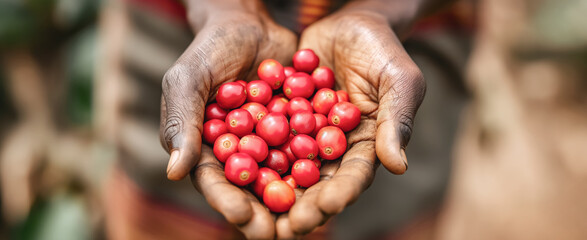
{"x":498,"y":150}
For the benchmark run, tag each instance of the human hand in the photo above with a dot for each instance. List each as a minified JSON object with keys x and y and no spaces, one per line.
{"x":232,"y":38}
{"x":382,"y":80}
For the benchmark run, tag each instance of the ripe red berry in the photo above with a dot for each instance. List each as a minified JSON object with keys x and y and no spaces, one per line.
{"x":342,"y":95}
{"x":331,"y":142}
{"x":214,"y":111}
{"x":288,"y":71}
{"x":265,"y":176}
{"x":256,"y":110}
{"x":279,"y":196}
{"x":285,"y":148}
{"x":298,"y":104}
{"x":299,"y":84}
{"x":321,"y":121}
{"x":305,"y":60}
{"x":274,"y":129}
{"x":213,"y":129}
{"x":277,"y":160}
{"x":224,"y":146}
{"x":304,"y":147}
{"x":271,"y":71}
{"x":323,"y":77}
{"x":241,"y":169}
{"x":241,"y":82}
{"x":240,"y":122}
{"x":317,"y":162}
{"x":255,"y":146}
{"x":344,"y":115}
{"x":278,"y":104}
{"x":324,"y":100}
{"x":231,"y":95}
{"x":290,"y":181}
{"x":305,"y":172}
{"x":302,"y":123}
{"x":259,"y":91}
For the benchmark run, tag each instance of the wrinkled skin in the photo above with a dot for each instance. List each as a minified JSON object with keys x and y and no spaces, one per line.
{"x":370,"y":64}
{"x":381,"y":79}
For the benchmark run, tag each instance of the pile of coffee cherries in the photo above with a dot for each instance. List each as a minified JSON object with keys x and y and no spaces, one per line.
{"x":283,"y":124}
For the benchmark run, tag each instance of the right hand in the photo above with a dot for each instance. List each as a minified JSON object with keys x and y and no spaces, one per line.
{"x":228,"y":45}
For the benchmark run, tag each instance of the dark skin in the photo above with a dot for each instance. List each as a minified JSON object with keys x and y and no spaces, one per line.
{"x":358,"y":42}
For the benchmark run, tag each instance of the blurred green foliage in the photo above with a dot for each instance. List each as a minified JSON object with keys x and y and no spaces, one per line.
{"x":47,"y":29}
{"x":41,"y":22}
{"x":64,"y":216}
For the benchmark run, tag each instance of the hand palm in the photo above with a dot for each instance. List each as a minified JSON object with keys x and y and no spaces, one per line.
{"x":372,"y":66}
{"x":225,"y":51}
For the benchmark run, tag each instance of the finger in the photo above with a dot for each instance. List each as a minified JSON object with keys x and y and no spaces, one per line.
{"x":214,"y":57}
{"x":262,"y":223}
{"x":401,"y":92}
{"x":355,"y":174}
{"x":183,"y":102}
{"x":230,"y":200}
{"x":304,"y":215}
{"x":283,"y":229}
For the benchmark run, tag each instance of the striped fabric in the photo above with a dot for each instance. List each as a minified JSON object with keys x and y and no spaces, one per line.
{"x":311,"y":11}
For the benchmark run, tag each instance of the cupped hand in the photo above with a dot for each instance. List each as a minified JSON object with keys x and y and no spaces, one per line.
{"x":382,"y":80}
{"x":225,"y":48}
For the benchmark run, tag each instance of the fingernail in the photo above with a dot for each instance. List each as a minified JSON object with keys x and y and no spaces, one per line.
{"x":172,"y":160}
{"x":404,"y":158}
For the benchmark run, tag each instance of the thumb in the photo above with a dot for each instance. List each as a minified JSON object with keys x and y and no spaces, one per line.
{"x":182,"y":109}
{"x":401,"y":92}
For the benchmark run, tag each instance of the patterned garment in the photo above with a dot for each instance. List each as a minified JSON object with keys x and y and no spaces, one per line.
{"x":305,"y":12}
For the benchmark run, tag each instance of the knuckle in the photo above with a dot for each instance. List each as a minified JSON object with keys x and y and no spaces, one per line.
{"x":405,"y":127}
{"x":171,"y":129}
{"x":172,"y":78}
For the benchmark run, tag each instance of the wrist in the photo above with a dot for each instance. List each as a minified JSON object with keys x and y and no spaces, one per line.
{"x":399,"y":14}
{"x":204,"y":12}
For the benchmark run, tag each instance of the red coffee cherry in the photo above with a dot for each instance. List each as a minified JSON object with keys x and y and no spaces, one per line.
{"x":321,"y":121}
{"x":264,"y":177}
{"x":323,"y":77}
{"x":213,"y":129}
{"x":273,"y":128}
{"x":214,"y":111}
{"x":240,"y":122}
{"x":324,"y":100}
{"x":344,"y":115}
{"x":278,"y":161}
{"x":305,"y":60}
{"x":304,"y":147}
{"x":259,"y":91}
{"x":290,"y":181}
{"x":302,"y":123}
{"x":255,"y":146}
{"x":279,"y":196}
{"x":342,"y":95}
{"x":241,"y":82}
{"x":317,"y":162}
{"x":331,"y":142}
{"x":271,"y":71}
{"x":305,"y":172}
{"x":278,"y":104}
{"x":298,"y":104}
{"x":224,"y":146}
{"x":285,"y":148}
{"x":288,"y":71}
{"x":256,"y":110}
{"x":231,"y":95}
{"x":299,"y":84}
{"x":241,"y":169}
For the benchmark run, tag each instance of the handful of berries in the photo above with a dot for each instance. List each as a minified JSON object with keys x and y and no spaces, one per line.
{"x":280,"y":125}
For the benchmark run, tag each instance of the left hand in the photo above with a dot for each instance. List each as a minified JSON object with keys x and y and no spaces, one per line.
{"x":371,"y":64}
